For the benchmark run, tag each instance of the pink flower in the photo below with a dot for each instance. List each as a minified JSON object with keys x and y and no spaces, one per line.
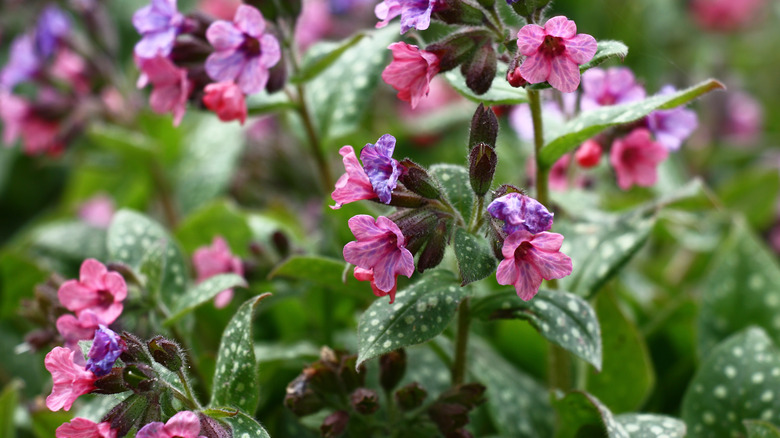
{"x":529,"y":258}
{"x":171,"y":86}
{"x":83,"y":428}
{"x":313,"y":23}
{"x":184,"y":424}
{"x":217,"y":259}
{"x":75,"y":329}
{"x":588,"y":154}
{"x":612,"y":86}
{"x":97,"y":211}
{"x":13,"y":111}
{"x":221,"y":9}
{"x":227,"y":100}
{"x":743,"y":119}
{"x":97,"y":290}
{"x":71,"y":68}
{"x":243,"y":51}
{"x":635,"y":159}
{"x":41,"y":136}
{"x":554,"y":53}
{"x":353,"y":185}
{"x":725,"y":15}
{"x":379,"y":254}
{"x":70,"y":379}
{"x":411,"y":71}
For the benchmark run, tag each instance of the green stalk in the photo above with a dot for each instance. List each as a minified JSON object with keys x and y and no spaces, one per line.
{"x":461,"y":342}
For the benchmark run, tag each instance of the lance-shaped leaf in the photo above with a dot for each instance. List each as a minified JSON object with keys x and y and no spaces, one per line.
{"x":761,"y":429}
{"x":321,"y":55}
{"x":9,"y":399}
{"x":562,"y":317}
{"x":245,"y":426}
{"x":457,"y":187}
{"x":590,"y":123}
{"x":70,"y":241}
{"x":651,"y":426}
{"x":204,"y":292}
{"x":264,"y":103}
{"x":235,"y":377}
{"x":475,"y":258}
{"x":419,"y":313}
{"x":323,"y":271}
{"x":606,"y":49}
{"x":500,"y":93}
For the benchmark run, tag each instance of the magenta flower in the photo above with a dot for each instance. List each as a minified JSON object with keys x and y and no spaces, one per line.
{"x":380,"y":166}
{"x":354,"y":184}
{"x":97,"y":211}
{"x":74,"y":329}
{"x":520,"y":212}
{"x":220,"y":9}
{"x":217,"y":259}
{"x":410,"y":72}
{"x":554,"y":53}
{"x":725,"y":15}
{"x":158,"y":23}
{"x":243,"y":52}
{"x":83,"y":428}
{"x":184,"y":424}
{"x":70,"y":379}
{"x":612,"y":86}
{"x":379,"y":254}
{"x":589,"y":153}
{"x":171,"y":86}
{"x":106,"y":348}
{"x":226,"y":100}
{"x":314,"y":23}
{"x":13,"y":111}
{"x":635,"y":159}
{"x":415,"y":14}
{"x":529,"y":258}
{"x":672,"y":127}
{"x":97,"y":290}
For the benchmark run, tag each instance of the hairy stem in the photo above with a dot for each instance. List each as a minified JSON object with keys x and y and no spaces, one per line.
{"x":461,"y":342}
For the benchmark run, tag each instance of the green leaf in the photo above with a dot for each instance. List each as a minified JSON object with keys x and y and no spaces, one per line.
{"x":739,"y":380}
{"x":235,"y":378}
{"x":599,"y":250}
{"x":209,"y":158}
{"x":651,"y":426}
{"x":562,"y":317}
{"x":500,"y":93}
{"x":626,"y":378}
{"x":321,"y":56}
{"x":320,"y":270}
{"x":220,"y":218}
{"x":245,"y":426}
{"x":9,"y":400}
{"x":338,"y":105}
{"x":204,"y":292}
{"x":519,"y":405}
{"x":741,"y":289}
{"x":761,"y":429}
{"x":264,"y":103}
{"x":419,"y":313}
{"x":139,"y":242}
{"x":753,"y":193}
{"x":457,"y":188}
{"x":70,"y":241}
{"x":18,"y":277}
{"x":606,"y":49}
{"x":475,"y":258}
{"x":590,"y":123}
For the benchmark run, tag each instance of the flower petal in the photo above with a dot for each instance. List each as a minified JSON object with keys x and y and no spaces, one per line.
{"x":184,"y":424}
{"x":270,"y":51}
{"x":253,"y":76}
{"x":528,"y":280}
{"x":561,"y":27}
{"x":152,"y":430}
{"x":564,"y":74}
{"x":249,"y":20}
{"x":225,"y":66}
{"x":223,"y":35}
{"x":550,"y":265}
{"x":581,"y":48}
{"x":535,"y":69}
{"x":529,"y":38}
{"x":547,"y":241}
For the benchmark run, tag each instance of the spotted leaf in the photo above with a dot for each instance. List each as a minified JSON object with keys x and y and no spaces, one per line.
{"x":457,"y":188}
{"x":245,"y":426}
{"x":419,"y":313}
{"x":761,"y":429}
{"x":562,"y":317}
{"x":737,"y":381}
{"x":204,"y":292}
{"x":235,"y":377}
{"x":475,"y":259}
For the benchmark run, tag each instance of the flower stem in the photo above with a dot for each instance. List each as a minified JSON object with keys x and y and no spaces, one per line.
{"x":461,"y":342}
{"x":187,"y":390}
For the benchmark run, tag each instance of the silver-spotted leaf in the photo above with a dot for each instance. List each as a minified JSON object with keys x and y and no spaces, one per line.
{"x":245,"y":426}
{"x":761,"y":429}
{"x":457,"y":188}
{"x":475,"y":258}
{"x":204,"y":292}
{"x":651,"y":426}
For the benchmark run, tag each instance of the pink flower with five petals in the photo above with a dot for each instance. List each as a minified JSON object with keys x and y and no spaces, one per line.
{"x":97,"y":290}
{"x":70,"y":379}
{"x":74,"y":329}
{"x":554,"y":53}
{"x":184,"y":424}
{"x":636,"y":158}
{"x":529,"y":258}
{"x":411,"y":71}
{"x":83,"y":428}
{"x":171,"y":86}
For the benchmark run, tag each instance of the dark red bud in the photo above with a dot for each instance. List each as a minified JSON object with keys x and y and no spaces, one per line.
{"x":458,"y":12}
{"x":392,"y":367}
{"x":448,"y":416}
{"x":480,"y":70}
{"x":166,"y":352}
{"x":364,"y":401}
{"x":410,"y":396}
{"x":433,"y":253}
{"x":211,"y":428}
{"x":334,"y":424}
{"x":417,"y":179}
{"x":468,"y":395}
{"x":301,"y":399}
{"x":484,"y":127}
{"x":482,"y":167}
{"x":126,"y":414}
{"x":111,"y":383}
{"x":136,"y":350}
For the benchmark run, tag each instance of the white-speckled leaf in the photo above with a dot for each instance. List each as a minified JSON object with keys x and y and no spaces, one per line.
{"x":235,"y":375}
{"x":590,"y":123}
{"x":562,"y":317}
{"x":419,"y":313}
{"x":739,"y":380}
{"x":71,"y":241}
{"x":203,"y":292}
{"x":500,"y":93}
{"x":519,"y":405}
{"x":136,"y":240}
{"x":245,"y":426}
{"x":475,"y":258}
{"x":581,"y":414}
{"x":457,"y":188}
{"x":761,"y":429}
{"x":651,"y":426}
{"x":741,"y":289}
{"x":606,"y":49}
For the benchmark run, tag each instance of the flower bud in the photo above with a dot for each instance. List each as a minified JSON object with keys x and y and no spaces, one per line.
{"x":334,"y":424}
{"x":111,"y":383}
{"x":126,"y":414}
{"x":410,"y":396}
{"x":468,"y":395}
{"x":480,"y":70}
{"x":364,"y":401}
{"x":513,"y":75}
{"x":139,"y":377}
{"x":300,"y":398}
{"x":416,"y":226}
{"x":482,"y":166}
{"x":392,"y":367}
{"x":277,"y":77}
{"x":588,"y":154}
{"x":484,"y":127}
{"x":351,"y":376}
{"x":135,"y":351}
{"x":448,"y":416}
{"x":458,"y":12}
{"x":165,"y":352}
{"x":417,"y":179}
{"x":527,"y":8}
{"x":457,"y":48}
{"x":433,"y":252}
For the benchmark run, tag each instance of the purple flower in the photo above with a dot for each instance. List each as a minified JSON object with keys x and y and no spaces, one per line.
{"x":382,"y":170}
{"x":520,"y":212}
{"x":613,"y":86}
{"x":415,"y":14}
{"x":379,"y":254}
{"x":107,"y":346}
{"x":23,"y":62}
{"x":672,"y":127}
{"x":53,"y":25}
{"x":243,"y":52}
{"x":159,"y":23}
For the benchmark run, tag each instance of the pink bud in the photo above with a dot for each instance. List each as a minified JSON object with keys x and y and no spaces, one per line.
{"x":227,"y":100}
{"x":588,"y":154}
